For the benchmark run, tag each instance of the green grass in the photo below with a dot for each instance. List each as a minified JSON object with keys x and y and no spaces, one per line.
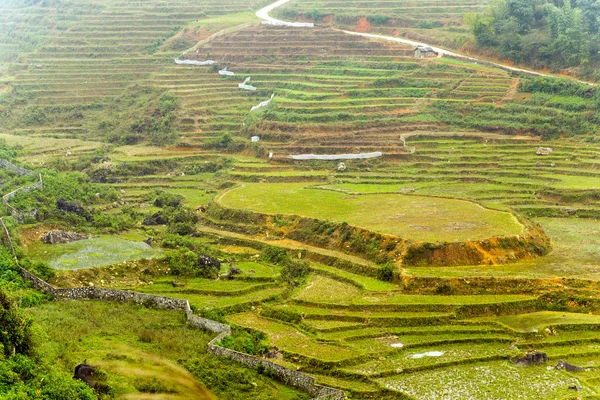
{"x":497,"y":380}
{"x":158,"y":346}
{"x":95,"y":252}
{"x":412,"y":217}
{"x":539,"y":320}
{"x":288,"y":339}
{"x":405,"y":358}
{"x":364,"y":282}
{"x":323,"y":290}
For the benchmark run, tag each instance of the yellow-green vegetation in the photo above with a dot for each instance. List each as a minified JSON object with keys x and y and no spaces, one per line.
{"x":144,"y":357}
{"x":527,"y":383}
{"x":134,"y":148}
{"x":412,"y":217}
{"x":94,"y":252}
{"x":575,"y":253}
{"x":290,"y":340}
{"x":539,"y":320}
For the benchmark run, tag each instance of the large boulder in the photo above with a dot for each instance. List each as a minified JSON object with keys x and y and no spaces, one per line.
{"x":54,"y":237}
{"x":543,"y":151}
{"x":92,"y":377}
{"x":568,"y":367}
{"x":531,"y":358}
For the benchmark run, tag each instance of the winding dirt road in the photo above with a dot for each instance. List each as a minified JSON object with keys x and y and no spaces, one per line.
{"x":264,"y":15}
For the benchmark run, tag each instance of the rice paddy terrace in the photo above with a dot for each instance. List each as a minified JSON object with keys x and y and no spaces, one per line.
{"x":433,"y":331}
{"x":434,"y":22}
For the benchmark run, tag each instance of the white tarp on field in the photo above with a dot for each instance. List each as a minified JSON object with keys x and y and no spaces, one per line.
{"x":194,"y":62}
{"x":290,"y":24}
{"x":225,"y":72}
{"x":336,"y":156}
{"x":262,"y":103}
{"x":244,"y":85}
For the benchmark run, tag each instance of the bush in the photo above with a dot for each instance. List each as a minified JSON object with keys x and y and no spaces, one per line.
{"x":185,"y":262}
{"x":386,"y":272}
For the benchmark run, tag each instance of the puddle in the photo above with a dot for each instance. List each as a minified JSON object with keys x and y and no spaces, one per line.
{"x":428,"y":354}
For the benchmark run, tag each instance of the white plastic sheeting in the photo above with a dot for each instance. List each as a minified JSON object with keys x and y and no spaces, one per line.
{"x":263,"y":14}
{"x":244,"y":85}
{"x":428,"y":354}
{"x":262,"y":103}
{"x":194,"y":62}
{"x":290,"y":24}
{"x":225,"y":72}
{"x":255,"y":139}
{"x":336,"y":156}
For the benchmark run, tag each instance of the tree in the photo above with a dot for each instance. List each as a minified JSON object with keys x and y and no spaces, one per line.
{"x":521,"y":11}
{"x":15,"y":329}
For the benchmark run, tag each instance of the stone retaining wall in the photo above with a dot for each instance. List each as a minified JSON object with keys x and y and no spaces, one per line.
{"x":288,"y":376}
{"x":20,"y":171}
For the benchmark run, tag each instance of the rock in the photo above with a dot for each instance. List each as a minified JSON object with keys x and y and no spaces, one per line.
{"x":543,"y":151}
{"x":341,"y":167}
{"x":568,"y":367}
{"x":155,"y":219}
{"x":71,"y":206}
{"x":54,"y":237}
{"x":208,"y":261}
{"x":274,"y":353}
{"x":531,"y":358}
{"x":92,"y":377}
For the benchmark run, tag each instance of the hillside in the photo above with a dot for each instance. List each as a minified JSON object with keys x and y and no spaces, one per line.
{"x":351,"y":221}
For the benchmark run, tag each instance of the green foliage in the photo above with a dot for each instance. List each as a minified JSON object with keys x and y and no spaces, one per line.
{"x":247,"y":342}
{"x":141,"y":114}
{"x":77,"y":189}
{"x":539,"y":32}
{"x":386,"y":272}
{"x":226,"y":142}
{"x":563,"y":87}
{"x":22,"y":377}
{"x":15,"y":336}
{"x":184,"y":262}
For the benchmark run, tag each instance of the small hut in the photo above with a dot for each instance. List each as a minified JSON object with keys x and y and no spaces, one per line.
{"x":425,"y":52}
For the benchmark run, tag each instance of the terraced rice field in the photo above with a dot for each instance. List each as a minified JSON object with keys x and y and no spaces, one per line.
{"x":435,"y":332}
{"x":392,"y":214}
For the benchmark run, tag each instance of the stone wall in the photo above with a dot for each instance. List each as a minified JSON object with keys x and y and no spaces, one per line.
{"x":20,"y":171}
{"x":19,"y":215}
{"x":288,"y":376}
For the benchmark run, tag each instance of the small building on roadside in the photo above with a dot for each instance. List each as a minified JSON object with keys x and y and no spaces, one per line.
{"x":425,"y":52}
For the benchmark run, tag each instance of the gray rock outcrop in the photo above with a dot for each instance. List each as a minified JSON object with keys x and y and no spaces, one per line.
{"x":531,"y":358}
{"x":54,"y":237}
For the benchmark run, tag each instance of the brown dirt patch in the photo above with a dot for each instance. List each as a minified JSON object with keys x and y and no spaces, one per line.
{"x":363,"y":25}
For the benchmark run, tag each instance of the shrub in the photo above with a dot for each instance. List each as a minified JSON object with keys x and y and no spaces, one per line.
{"x":386,"y":272}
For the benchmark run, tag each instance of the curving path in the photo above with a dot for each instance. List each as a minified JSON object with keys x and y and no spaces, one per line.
{"x":264,"y":15}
